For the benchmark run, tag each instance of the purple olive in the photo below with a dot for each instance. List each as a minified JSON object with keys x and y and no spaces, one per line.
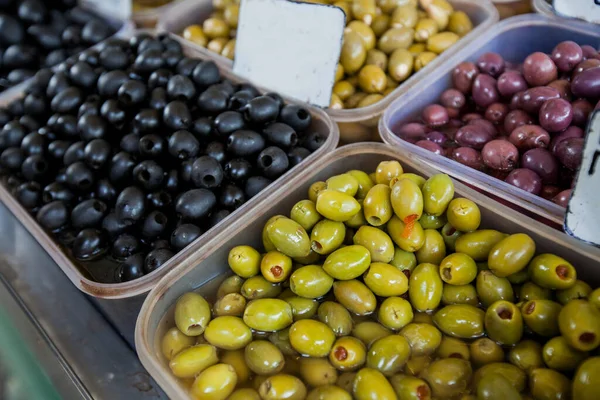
{"x":525,"y":179}
{"x":563,"y":86}
{"x":549,"y":191}
{"x":473,"y":136}
{"x":588,"y":51}
{"x":527,"y":137}
{"x":435,"y":115}
{"x":569,"y":152}
{"x":539,"y":69}
{"x":470,"y":117}
{"x":431,"y":146}
{"x":491,"y":64}
{"x":581,"y":111}
{"x":516,"y":118}
{"x":438,"y":138}
{"x":556,"y":115}
{"x":484,"y":90}
{"x":587,"y":83}
{"x":543,"y":163}
{"x":585,"y":65}
{"x":570,"y":132}
{"x":468,"y":156}
{"x":496,"y":112}
{"x":452,"y":112}
{"x":562,"y":199}
{"x":566,"y":55}
{"x":516,"y":101}
{"x":452,"y":98}
{"x":486,"y":125}
{"x":412,"y":132}
{"x":500,"y":154}
{"x":463,"y":76}
{"x":511,"y":82}
{"x":534,"y":98}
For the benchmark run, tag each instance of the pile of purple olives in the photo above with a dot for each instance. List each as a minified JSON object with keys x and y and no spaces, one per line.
{"x":131,"y":151}
{"x":35,"y":34}
{"x":524,"y":124}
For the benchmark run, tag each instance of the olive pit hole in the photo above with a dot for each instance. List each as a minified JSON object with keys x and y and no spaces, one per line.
{"x":160,"y":219}
{"x":340,"y":353}
{"x":504,"y":313}
{"x":587,"y":337}
{"x":266,"y":160}
{"x":562,"y":271}
{"x":277,"y":271}
{"x":144,"y":175}
{"x":209,"y":180}
{"x":98,"y":206}
{"x":302,"y":114}
{"x":451,"y":231}
{"x":316,"y":246}
{"x":183,"y":154}
{"x":423,"y":392}
{"x":373,"y":220}
{"x":147,"y":145}
{"x":529,"y":308}
{"x":447,"y":272}
{"x":46,"y":197}
{"x":84,"y":183}
{"x":39,"y":165}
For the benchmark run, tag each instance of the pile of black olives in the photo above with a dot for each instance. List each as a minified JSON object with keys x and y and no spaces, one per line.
{"x":41,"y":33}
{"x":131,"y":151}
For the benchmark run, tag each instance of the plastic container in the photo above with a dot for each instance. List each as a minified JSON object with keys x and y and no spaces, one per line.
{"x":514,"y":38}
{"x":510,"y":8}
{"x":544,"y":7}
{"x":80,"y":278}
{"x":358,"y":124}
{"x":147,"y":17}
{"x":210,"y":267}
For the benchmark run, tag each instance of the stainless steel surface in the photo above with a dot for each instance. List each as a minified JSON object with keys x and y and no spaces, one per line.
{"x":82,"y":353}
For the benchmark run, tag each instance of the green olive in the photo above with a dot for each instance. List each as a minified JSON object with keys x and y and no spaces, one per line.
{"x":364,"y":183}
{"x":478,"y":244}
{"x":195,"y":34}
{"x":496,"y":387}
{"x":369,"y":99}
{"x":503,"y":323}
{"x":518,"y":278}
{"x":337,"y":206}
{"x":409,"y":237}
{"x":347,"y":354}
{"x":432,"y":222}
{"x":410,"y":388}
{"x":460,"y":320}
{"x":531,"y":291}
{"x":216,"y":45}
{"x":389,"y":354}
{"x":558,"y":355}
{"x":311,"y":338}
{"x":491,"y":288}
{"x":314,"y":190}
{"x":268,"y":315}
{"x":404,"y":260}
{"x":329,"y":392}
{"x":244,"y":394}
{"x":541,"y":316}
{"x":424,"y":29}
{"x":258,"y":287}
{"x":364,"y":10}
{"x":174,"y":342}
{"x":231,"y":304}
{"x":594,"y":298}
{"x":377,"y":242}
{"x":214,"y":383}
{"x":385,"y":280}
{"x":310,"y":281}
{"x":407,"y":200}
{"x":424,"y":339}
{"x":336,"y":317}
{"x":386,"y":171}
{"x":545,"y":383}
{"x":418,"y":179}
{"x":192,"y":314}
{"x":440,"y":11}
{"x":228,"y":333}
{"x":289,"y":237}
{"x":395,"y":313}
{"x":527,"y":355}
{"x":448,"y":377}
{"x":215,"y":28}
{"x":244,"y":261}
{"x":311,"y":258}
{"x":451,"y":235}
{"x":229,"y":49}
{"x":485,"y":351}
{"x":458,"y":269}
{"x":511,"y":254}
{"x":263,"y":358}
{"x":232,"y":284}
{"x":463,"y":294}
{"x":302,"y":308}
{"x":371,"y":384}
{"x":579,"y":290}
{"x":440,"y":42}
{"x":355,"y":296}
{"x":513,"y":374}
{"x":317,"y":371}
{"x":460,"y":23}
{"x":425,"y":288}
{"x":404,"y":16}
{"x":372,"y":79}
{"x":327,"y":236}
{"x":348,"y":262}
{"x":585,"y":381}
{"x":416,"y":365}
{"x":346,"y":381}
{"x":193,"y":360}
{"x":377,"y":205}
{"x":552,"y":272}
{"x":267,"y":244}
{"x":281,"y":339}
{"x":417,"y":48}
{"x":305,"y":213}
{"x":453,"y":348}
{"x":395,"y":38}
{"x":231,"y":14}
{"x":463,"y":214}
{"x":579,"y":323}
{"x":368,"y":332}
{"x":438,"y":191}
{"x":237,"y":360}
{"x":282,"y":386}
{"x":344,"y":183}
{"x":380,"y":24}
{"x":377,"y":58}
{"x":424,"y":58}
{"x":364,"y":31}
{"x":275,"y":267}
{"x":343,"y":90}
{"x":354,"y":53}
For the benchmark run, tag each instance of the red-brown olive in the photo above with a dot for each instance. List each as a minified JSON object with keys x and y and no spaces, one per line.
{"x":491,"y":64}
{"x":468,"y":156}
{"x":581,"y":111}
{"x":562,"y":198}
{"x":516,"y":118}
{"x":566,"y":55}
{"x":570,"y":152}
{"x":539,"y":69}
{"x":572,"y":131}
{"x":463,"y":76}
{"x":496,"y":113}
{"x":500,"y":154}
{"x":543,"y":163}
{"x":556,"y":115}
{"x":527,"y":137}
{"x":452,"y":98}
{"x":525,"y":179}
{"x":533,"y":99}
{"x":510,"y":83}
{"x":484,"y":90}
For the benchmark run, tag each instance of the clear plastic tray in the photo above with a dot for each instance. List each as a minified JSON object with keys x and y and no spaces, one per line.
{"x":321,"y":123}
{"x":210,"y":267}
{"x":358,"y":124}
{"x":544,"y":8}
{"x":148,"y":17}
{"x":514,"y":38}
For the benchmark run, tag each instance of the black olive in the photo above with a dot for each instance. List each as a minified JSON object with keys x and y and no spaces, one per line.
{"x":106,"y":191}
{"x":53,"y":215}
{"x":91,"y":127}
{"x":35,"y":105}
{"x":248,"y":88}
{"x":295,"y":116}
{"x":261,"y":110}
{"x":256,"y":184}
{"x":272,"y":162}
{"x":35,"y":168}
{"x":277,"y":98}
{"x":16,"y":107}
{"x":186,"y":170}
{"x":202,"y":128}
{"x":11,"y":30}
{"x":160,"y":199}
{"x":146,"y":121}
{"x":33,"y":143}
{"x":186,"y":66}
{"x":79,"y":15}
{"x":90,"y":106}
{"x":172,"y":58}
{"x":132,"y":268}
{"x":160,"y":244}
{"x":5,"y":117}
{"x":75,"y":152}
{"x":159,"y":78}
{"x":148,"y":61}
{"x":40,"y":81}
{"x":206,"y":73}
{"x":313,"y":141}
{"x":148,"y":174}
{"x":110,"y":82}
{"x":95,"y":31}
{"x":217,"y":151}
{"x":71,"y":36}
{"x":114,"y":59}
{"x":32,"y":11}
{"x":57,"y":191}
{"x":195,"y":204}
{"x":172,"y":181}
{"x":12,"y":158}
{"x":224,"y":86}
{"x":67,"y":126}
{"x":158,"y":98}
{"x":130,"y":204}
{"x":238,"y":170}
{"x":176,"y":115}
{"x":12,"y":182}
{"x":67,"y":101}
{"x":154,"y":225}
{"x":207,"y":172}
{"x":156,"y":259}
{"x":245,"y":142}
{"x":19,"y":56}
{"x":121,"y":168}
{"x":183,"y":235}
{"x":130,"y":143}
{"x":218,"y":216}
{"x":180,"y":87}
{"x":150,"y":43}
{"x":171,"y":44}
{"x":114,"y":226}
{"x":58,"y":148}
{"x":297,"y":155}
{"x":57,"y":83}
{"x":55,"y":57}
{"x":281,"y":135}
{"x":134,"y":75}
{"x":152,"y":145}
{"x":239,"y":101}
{"x":61,"y":176}
{"x":113,"y":113}
{"x":132,"y":93}
{"x":82,"y":74}
{"x":45,"y":37}
{"x":138,"y":38}
{"x":88,"y":214}
{"x":213,"y":101}
{"x":231,"y":197}
{"x":228,"y":122}
{"x":17,"y":76}
{"x":183,"y":145}
{"x":97,"y":153}
{"x":80,"y":177}
{"x":29,"y":123}
{"x":29,"y":194}
{"x":12,"y":134}
{"x":124,"y":246}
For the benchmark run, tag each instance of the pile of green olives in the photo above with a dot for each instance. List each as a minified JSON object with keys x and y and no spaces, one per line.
{"x":385,"y":41}
{"x":384,"y":286}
